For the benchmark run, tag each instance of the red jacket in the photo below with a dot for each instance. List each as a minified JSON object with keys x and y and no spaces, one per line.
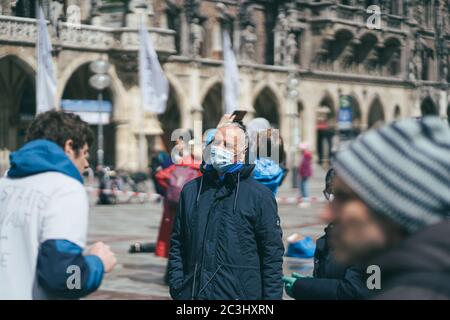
{"x":305,"y":168}
{"x":168,"y":217}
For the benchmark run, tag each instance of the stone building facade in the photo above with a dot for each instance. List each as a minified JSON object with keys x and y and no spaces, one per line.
{"x":301,"y":62}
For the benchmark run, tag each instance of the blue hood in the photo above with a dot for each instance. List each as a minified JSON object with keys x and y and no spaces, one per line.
{"x":41,"y":156}
{"x":268,"y":173}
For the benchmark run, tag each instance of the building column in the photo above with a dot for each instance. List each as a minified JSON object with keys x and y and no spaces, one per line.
{"x":246,"y":94}
{"x":195,"y":104}
{"x":443,"y":103}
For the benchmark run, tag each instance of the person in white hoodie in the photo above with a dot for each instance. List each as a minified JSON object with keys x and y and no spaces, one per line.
{"x":44,"y":215}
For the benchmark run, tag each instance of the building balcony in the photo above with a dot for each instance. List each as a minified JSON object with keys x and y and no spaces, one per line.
{"x":23,"y":31}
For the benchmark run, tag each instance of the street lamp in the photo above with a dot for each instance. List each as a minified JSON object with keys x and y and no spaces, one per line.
{"x":100,"y":81}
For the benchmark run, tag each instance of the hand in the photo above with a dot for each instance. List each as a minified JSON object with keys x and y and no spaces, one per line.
{"x":105,"y":254}
{"x":290,"y":281}
{"x":226,"y":119}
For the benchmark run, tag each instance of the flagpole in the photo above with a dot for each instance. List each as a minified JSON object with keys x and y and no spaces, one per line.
{"x":141,"y":121}
{"x":224,"y":107}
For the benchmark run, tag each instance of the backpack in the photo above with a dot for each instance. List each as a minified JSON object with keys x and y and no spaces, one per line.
{"x":178,"y":178}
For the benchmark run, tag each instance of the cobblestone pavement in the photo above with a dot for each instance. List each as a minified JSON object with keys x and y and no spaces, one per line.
{"x":140,"y":276}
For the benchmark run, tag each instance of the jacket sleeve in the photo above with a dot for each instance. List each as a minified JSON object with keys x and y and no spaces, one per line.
{"x":270,"y":248}
{"x":162,"y":176}
{"x":351,"y":287}
{"x":175,"y":268}
{"x":64,"y":272}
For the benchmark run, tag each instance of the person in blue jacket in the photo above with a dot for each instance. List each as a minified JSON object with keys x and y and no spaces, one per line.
{"x":268,"y":167}
{"x":227,"y":240}
{"x":44,"y":215}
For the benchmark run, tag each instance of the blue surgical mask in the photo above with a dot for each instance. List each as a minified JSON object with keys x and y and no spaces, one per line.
{"x":221,"y":159}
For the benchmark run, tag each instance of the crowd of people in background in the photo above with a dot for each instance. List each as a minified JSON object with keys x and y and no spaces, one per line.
{"x":388,"y":207}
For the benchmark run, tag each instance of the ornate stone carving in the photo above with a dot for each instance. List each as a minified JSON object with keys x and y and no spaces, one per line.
{"x":248,"y":41}
{"x":291,"y":49}
{"x":56,"y":15}
{"x":17,"y":29}
{"x":418,"y":11}
{"x":372,"y":60}
{"x":197,"y":37}
{"x":348,"y":57}
{"x":322,"y":59}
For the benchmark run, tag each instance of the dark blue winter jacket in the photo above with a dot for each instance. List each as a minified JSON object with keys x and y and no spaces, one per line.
{"x":227,"y":240}
{"x":332,"y":280}
{"x":56,"y":256}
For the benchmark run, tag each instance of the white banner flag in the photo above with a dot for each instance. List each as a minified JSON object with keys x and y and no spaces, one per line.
{"x":45,"y":80}
{"x":153,"y":82}
{"x":231,"y":83}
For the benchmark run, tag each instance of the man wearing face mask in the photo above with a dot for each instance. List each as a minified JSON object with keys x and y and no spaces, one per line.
{"x":227,"y":240}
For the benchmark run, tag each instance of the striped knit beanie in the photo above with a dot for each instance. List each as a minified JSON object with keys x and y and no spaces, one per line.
{"x":402,"y":171}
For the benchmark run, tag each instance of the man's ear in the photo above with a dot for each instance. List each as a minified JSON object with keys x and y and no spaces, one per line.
{"x":68,"y":147}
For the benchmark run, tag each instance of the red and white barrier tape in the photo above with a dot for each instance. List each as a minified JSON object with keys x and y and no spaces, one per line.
{"x":154,"y":197}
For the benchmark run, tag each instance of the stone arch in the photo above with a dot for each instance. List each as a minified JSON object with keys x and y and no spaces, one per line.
{"x":77,"y":88}
{"x":267,"y":84}
{"x":428,"y":107}
{"x":391,"y":56}
{"x":367,"y":56}
{"x":356,"y":114}
{"x":342,"y":39}
{"x":448,"y":113}
{"x":301,"y":112}
{"x":327,"y":101}
{"x":326,"y":114}
{"x":370,"y":34}
{"x":182,"y":98}
{"x":75,"y":63}
{"x":267,"y":105}
{"x":17,"y":100}
{"x":212,"y":104}
{"x":208,"y":85}
{"x":376,"y":115}
{"x":397,"y":113}
{"x":171,"y":119}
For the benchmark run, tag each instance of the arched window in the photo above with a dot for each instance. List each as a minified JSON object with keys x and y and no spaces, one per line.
{"x":174,"y":23}
{"x":25,"y":8}
{"x":428,"y":107}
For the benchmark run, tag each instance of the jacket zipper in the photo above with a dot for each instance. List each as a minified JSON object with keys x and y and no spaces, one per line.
{"x":193,"y":284}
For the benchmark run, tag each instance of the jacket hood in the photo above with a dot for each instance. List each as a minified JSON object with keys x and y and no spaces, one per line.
{"x":267,"y":170}
{"x":426,"y":251}
{"x":41,"y":156}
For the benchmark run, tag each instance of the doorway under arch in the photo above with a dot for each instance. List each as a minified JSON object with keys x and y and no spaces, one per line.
{"x":266,"y":106}
{"x":212,"y":107}
{"x":17,"y":101}
{"x":428,"y":107}
{"x":397,"y":113}
{"x":78,"y":89}
{"x":170,"y":120}
{"x":376,"y":114}
{"x":448,"y":113}
{"x":325,"y":126}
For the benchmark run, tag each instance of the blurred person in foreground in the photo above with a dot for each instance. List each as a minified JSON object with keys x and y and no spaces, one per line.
{"x":331,"y":280}
{"x":391,"y":207}
{"x":227,"y":239}
{"x":44,"y":215}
